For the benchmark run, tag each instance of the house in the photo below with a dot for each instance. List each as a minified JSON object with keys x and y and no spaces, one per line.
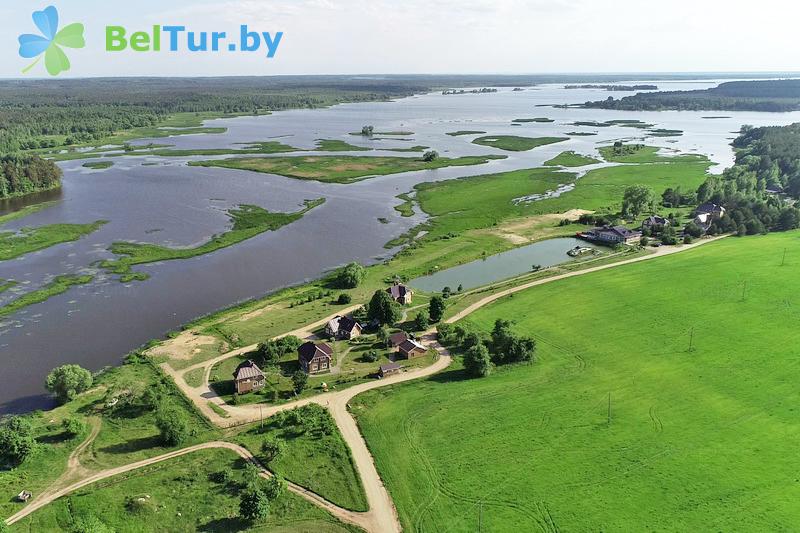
{"x":389,"y":368}
{"x":315,"y":358}
{"x":703,"y":220}
{"x":400,"y":293}
{"x":248,"y":377}
{"x":715,"y":211}
{"x":410,"y":349}
{"x":396,"y":339}
{"x":343,"y":327}
{"x":614,"y":235}
{"x":655,"y":221}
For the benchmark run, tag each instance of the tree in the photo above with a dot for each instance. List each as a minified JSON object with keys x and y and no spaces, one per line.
{"x":477,"y":361}
{"x":73,"y":426}
{"x":693,"y":230}
{"x":789,"y":219}
{"x":274,"y":487}
{"x":351,"y":276}
{"x":173,"y":425}
{"x":299,"y":381}
{"x":382,"y":335}
{"x":668,"y":236}
{"x":637,"y":199}
{"x":383,"y":308}
{"x":446,"y":292}
{"x":67,"y":381}
{"x":254,"y":505}
{"x":520,"y":350}
{"x":422,"y":321}
{"x":367,"y":131}
{"x":430,"y":155}
{"x":271,"y":448}
{"x":273,"y":350}
{"x":344,"y":299}
{"x":17,"y":442}
{"x":436,"y":308}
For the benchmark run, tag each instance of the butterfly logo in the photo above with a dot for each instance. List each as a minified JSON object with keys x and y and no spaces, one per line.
{"x":50,"y":42}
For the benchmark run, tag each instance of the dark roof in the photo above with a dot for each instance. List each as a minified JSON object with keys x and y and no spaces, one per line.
{"x":246,"y":370}
{"x":309,"y":350}
{"x":347,"y":323}
{"x":397,"y":338}
{"x":622,"y":231}
{"x":657,"y":220}
{"x":388,"y":367}
{"x":409,"y":345}
{"x":398,"y":291}
{"x":707,"y":207}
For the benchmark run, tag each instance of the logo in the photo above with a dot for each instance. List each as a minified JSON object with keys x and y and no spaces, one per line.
{"x":50,"y":42}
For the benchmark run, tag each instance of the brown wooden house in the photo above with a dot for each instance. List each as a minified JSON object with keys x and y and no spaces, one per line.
{"x":400,"y":293}
{"x":396,"y":339}
{"x":248,"y":377}
{"x":389,"y":368}
{"x":315,"y":358}
{"x":343,"y":327}
{"x":411,"y":349}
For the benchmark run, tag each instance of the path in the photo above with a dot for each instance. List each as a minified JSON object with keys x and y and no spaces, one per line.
{"x":359,"y":519}
{"x":382,"y":515}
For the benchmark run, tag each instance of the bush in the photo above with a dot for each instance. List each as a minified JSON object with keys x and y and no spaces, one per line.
{"x":344,"y":299}
{"x":271,"y":448}
{"x":430,"y":155}
{"x":221,"y":477}
{"x":67,"y":381}
{"x":73,"y":426}
{"x":299,"y":381}
{"x":371,"y":356}
{"x":254,"y":505}
{"x":173,"y":424}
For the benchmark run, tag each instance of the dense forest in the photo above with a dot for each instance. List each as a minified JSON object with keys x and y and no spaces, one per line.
{"x":761,"y":189}
{"x":763,"y":95}
{"x":24,"y":174}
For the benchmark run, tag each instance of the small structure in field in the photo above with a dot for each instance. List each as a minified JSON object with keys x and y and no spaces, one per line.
{"x":613,"y":235}
{"x":411,"y":349}
{"x":315,"y":358}
{"x":343,"y":327}
{"x":400,"y":293}
{"x":389,"y":368}
{"x":248,"y":377}
{"x":24,"y":496}
{"x":396,"y":339}
{"x":655,"y":222}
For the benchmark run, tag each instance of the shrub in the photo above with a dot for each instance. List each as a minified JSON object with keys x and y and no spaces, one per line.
{"x":67,"y":381}
{"x":173,"y":424}
{"x":73,"y":426}
{"x":344,"y":299}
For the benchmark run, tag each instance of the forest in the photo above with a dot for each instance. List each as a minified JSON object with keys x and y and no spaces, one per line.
{"x":761,"y":95}
{"x":761,"y":189}
{"x":23,"y":174}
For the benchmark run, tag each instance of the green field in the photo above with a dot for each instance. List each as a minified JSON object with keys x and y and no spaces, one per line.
{"x":514,"y":143}
{"x":27,"y":240}
{"x":465,"y":132}
{"x":248,"y":221}
{"x":340,"y":169}
{"x":618,"y":426}
{"x":265,"y":147}
{"x":59,"y":285}
{"x":571,"y":159}
{"x":336,"y":145}
{"x":176,"y":495}
{"x":537,"y":119}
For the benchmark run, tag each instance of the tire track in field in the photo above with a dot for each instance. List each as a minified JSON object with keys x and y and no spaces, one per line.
{"x":658,"y":425}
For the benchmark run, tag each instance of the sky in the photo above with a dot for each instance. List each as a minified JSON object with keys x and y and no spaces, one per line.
{"x":428,"y":36}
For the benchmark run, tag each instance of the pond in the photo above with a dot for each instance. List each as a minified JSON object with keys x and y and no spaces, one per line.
{"x":502,"y":266}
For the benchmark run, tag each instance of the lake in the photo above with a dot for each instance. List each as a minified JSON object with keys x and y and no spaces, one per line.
{"x":502,"y":266}
{"x":164,"y":201}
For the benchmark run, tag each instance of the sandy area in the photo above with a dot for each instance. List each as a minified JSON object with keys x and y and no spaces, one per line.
{"x":185,"y":346}
{"x":514,"y":230}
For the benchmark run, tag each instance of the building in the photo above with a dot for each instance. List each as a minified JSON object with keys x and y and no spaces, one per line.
{"x":315,"y":358}
{"x":656,"y":222}
{"x":410,"y":349}
{"x":715,"y":211}
{"x":343,"y":327}
{"x":396,"y":339}
{"x":703,"y":220}
{"x":389,"y":368}
{"x":614,"y":235}
{"x":248,"y":377}
{"x":400,"y":293}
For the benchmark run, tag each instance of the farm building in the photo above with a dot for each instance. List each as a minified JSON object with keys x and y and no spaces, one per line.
{"x":315,"y":358}
{"x":410,"y":349}
{"x":613,"y":235}
{"x":343,"y":327}
{"x":400,"y":293}
{"x":396,"y":339}
{"x":714,"y":211}
{"x":248,"y":377}
{"x":389,"y":368}
{"x":655,"y":221}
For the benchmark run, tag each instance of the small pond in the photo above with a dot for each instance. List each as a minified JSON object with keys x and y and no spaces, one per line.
{"x":501,"y":266}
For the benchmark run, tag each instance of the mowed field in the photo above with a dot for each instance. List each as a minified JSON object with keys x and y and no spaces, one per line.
{"x":619,"y":426}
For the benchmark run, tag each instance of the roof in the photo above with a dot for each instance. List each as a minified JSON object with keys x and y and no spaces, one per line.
{"x":343,"y":323}
{"x":708,"y":207}
{"x":622,"y":231}
{"x":247,"y":370}
{"x":397,"y":338}
{"x":398,"y":291}
{"x":388,"y":367}
{"x":657,"y":220}
{"x":409,"y":345}
{"x":309,"y":350}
